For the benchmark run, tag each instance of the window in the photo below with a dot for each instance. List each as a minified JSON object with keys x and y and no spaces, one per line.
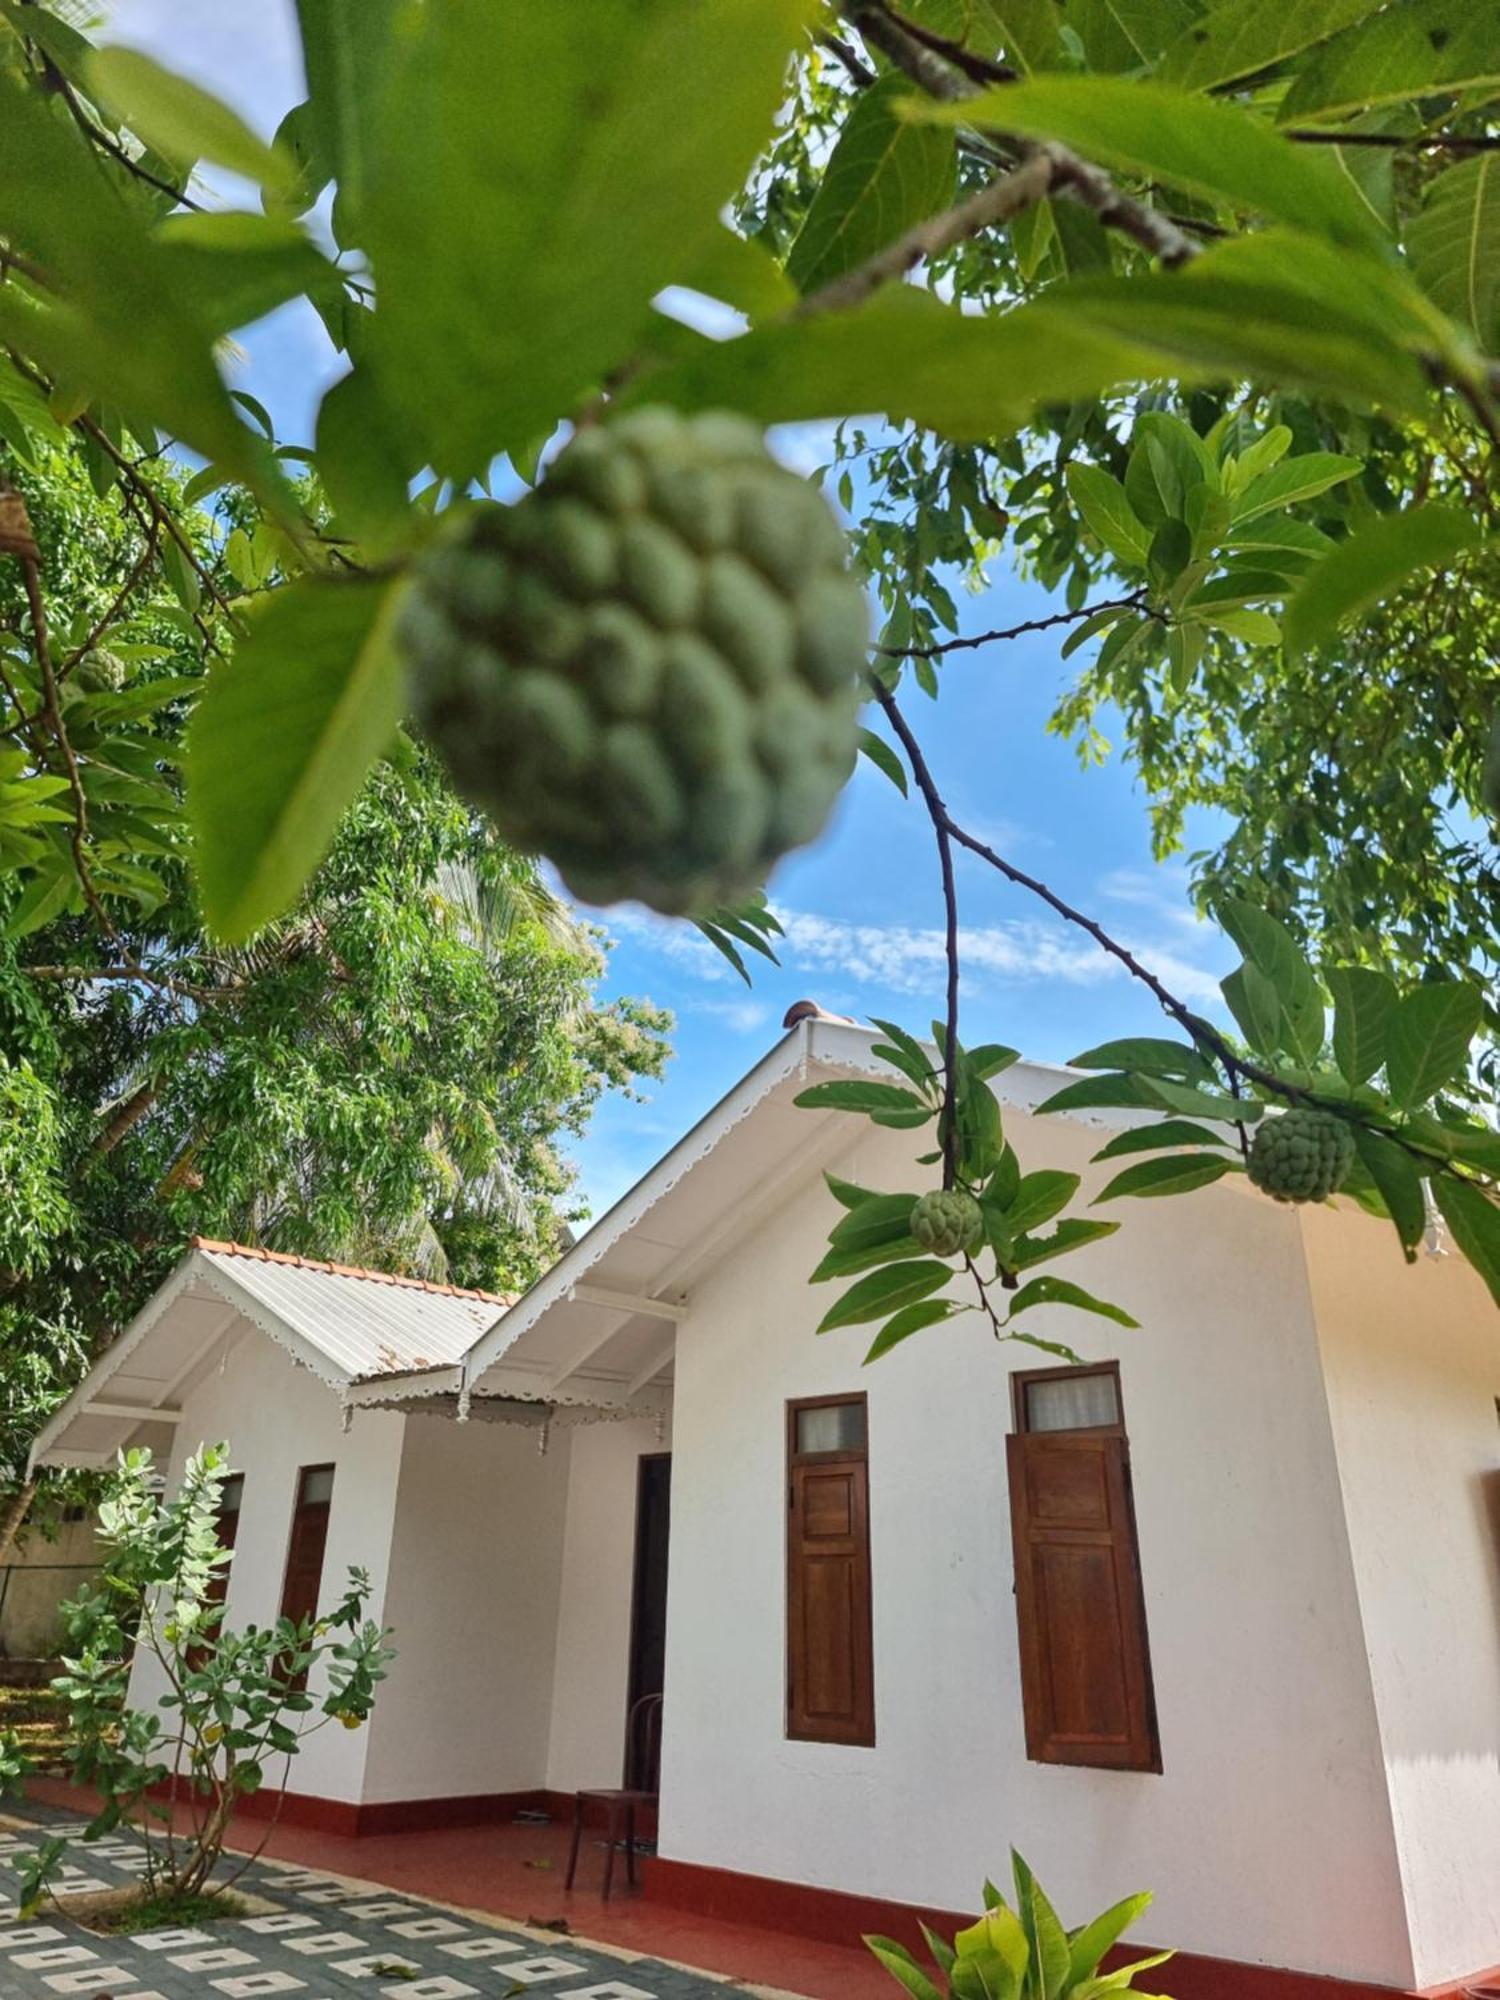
{"x":304,"y":1555}
{"x":226,"y":1527}
{"x":830,"y":1674}
{"x":1085,"y":1666}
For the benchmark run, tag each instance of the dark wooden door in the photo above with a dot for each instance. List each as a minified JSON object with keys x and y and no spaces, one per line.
{"x":830,"y":1678}
{"x":648,"y":1617}
{"x":309,"y":1538}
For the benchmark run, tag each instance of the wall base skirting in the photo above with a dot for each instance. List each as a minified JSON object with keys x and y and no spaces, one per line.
{"x":357,"y":1821}
{"x":836,"y":1917}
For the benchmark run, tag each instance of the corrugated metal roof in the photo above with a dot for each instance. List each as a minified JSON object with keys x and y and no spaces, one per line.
{"x":367,"y":1323}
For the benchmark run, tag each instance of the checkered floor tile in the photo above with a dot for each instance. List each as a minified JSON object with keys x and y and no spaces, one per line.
{"x":325,"y":1938}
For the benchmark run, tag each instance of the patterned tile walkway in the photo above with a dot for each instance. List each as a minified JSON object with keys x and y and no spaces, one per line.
{"x":328,"y":1936}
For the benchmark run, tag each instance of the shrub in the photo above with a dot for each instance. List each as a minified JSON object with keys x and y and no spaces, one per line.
{"x":235,"y":1704}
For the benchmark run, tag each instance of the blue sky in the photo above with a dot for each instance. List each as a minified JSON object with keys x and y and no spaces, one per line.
{"x":862,"y":908}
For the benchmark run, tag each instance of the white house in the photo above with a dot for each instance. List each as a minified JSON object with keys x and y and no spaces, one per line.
{"x":1263,"y":1639}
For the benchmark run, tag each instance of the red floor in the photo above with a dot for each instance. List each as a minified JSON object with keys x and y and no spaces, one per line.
{"x":517,"y":1871}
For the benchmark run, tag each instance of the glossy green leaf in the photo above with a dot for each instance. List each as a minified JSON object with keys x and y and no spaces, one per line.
{"x":282,"y":740}
{"x":1407,"y":51}
{"x":988,"y":1059}
{"x":1473,"y":1219}
{"x":1236,"y":38}
{"x":898,"y":1961}
{"x":1427,"y":1039}
{"x":1270,"y":946}
{"x":1293,"y":480}
{"x":1177,"y":1173}
{"x":1092,"y":1092}
{"x":1454,"y":245}
{"x":1050,"y":1291}
{"x":1371,"y":564}
{"x":1364,"y":1001}
{"x":879,"y":1220}
{"x":909,"y":1320}
{"x":563,"y":142}
{"x":1194,"y":1103}
{"x":1152,"y":1055}
{"x":181,"y":121}
{"x":885,"y":174}
{"x":1041,"y":1195}
{"x":1088,"y":1946}
{"x":1253,"y":1001}
{"x":1213,"y":149}
{"x":1153,"y":1138}
{"x":886,"y":1291}
{"x":886,"y":1103}
{"x":1073,"y":1232}
{"x":360,"y":460}
{"x":1400,"y":1185}
{"x":846,"y":1193}
{"x":884,"y":758}
{"x":1100,"y":499}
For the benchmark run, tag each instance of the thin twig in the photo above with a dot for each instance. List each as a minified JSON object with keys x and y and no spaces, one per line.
{"x":1135,"y":602}
{"x":130,"y":975}
{"x":998,"y":201}
{"x":1434,"y":142}
{"x":859,"y":71}
{"x":103,"y":624}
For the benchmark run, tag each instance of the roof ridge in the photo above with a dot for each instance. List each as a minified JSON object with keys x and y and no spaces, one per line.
{"x":262,"y":1255}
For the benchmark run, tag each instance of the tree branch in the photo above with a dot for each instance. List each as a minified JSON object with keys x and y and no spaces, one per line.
{"x":1135,"y":602}
{"x":131,"y":975}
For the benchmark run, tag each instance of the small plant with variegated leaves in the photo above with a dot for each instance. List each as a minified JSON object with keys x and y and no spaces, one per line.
{"x":1022,"y":1953}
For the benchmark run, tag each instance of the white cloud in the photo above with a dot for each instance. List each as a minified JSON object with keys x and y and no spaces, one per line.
{"x":744,"y":1017}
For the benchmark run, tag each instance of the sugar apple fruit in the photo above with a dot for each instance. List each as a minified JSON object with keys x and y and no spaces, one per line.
{"x":947,"y":1221}
{"x":1303,"y":1155}
{"x":649,"y":669}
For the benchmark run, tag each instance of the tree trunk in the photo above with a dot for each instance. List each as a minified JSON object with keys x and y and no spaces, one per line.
{"x":130,"y":1114}
{"x":13,"y":1513}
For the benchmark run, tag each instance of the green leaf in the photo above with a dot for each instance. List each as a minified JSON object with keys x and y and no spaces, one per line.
{"x":887,"y":1103}
{"x":565,"y":144}
{"x":360,"y":459}
{"x":903,"y":1968}
{"x":1427,"y":1039}
{"x":1293,"y":480}
{"x":1176,"y":1174}
{"x":1050,"y":1291}
{"x":282,"y":740}
{"x":1237,"y":38}
{"x":182,"y":122}
{"x":1100,"y":499}
{"x":1453,"y":245}
{"x":1087,"y":1946}
{"x":106,"y":282}
{"x":235,"y":267}
{"x":1395,"y":1174}
{"x":846,"y":1193}
{"x":1151,"y":1138}
{"x":886,"y":1291}
{"x":907,"y":1054}
{"x":885,"y":174}
{"x":1195,"y":1103}
{"x":896,"y":1249}
{"x":1376,"y":560}
{"x":1091,"y":1092}
{"x":1074,"y":1232}
{"x":884,"y":758}
{"x":990,"y":1058}
{"x":742,"y":274}
{"x":347,"y":52}
{"x":1363,"y":1002}
{"x":1407,"y":51}
{"x":1212,"y":149}
{"x":1253,"y":1001}
{"x":1040,"y":1196}
{"x":1270,"y":946}
{"x":1151,"y":1055}
{"x":911,"y":1319}
{"x":1474,"y":1220}
{"x":879,"y":1220}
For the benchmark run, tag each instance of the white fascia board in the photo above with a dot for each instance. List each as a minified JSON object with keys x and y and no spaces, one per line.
{"x":108,"y":1366}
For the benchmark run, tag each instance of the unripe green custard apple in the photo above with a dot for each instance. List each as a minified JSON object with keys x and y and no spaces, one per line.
{"x":1304,"y":1155}
{"x":650,"y":668}
{"x":947,"y":1221}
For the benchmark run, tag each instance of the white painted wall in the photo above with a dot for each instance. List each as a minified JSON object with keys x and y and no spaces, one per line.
{"x":1268,"y":1837}
{"x":1413,"y":1364}
{"x":475,"y":1576}
{"x":593,"y":1627}
{"x":276,"y":1418}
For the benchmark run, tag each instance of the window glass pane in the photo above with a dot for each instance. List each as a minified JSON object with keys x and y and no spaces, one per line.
{"x":317,"y":1485}
{"x":1072,"y":1403}
{"x":232,"y":1493}
{"x":832,"y":1427}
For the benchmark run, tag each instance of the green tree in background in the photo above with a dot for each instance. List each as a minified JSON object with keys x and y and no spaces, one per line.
{"x":1188,"y":309}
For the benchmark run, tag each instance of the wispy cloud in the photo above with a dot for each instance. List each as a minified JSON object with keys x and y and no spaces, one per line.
{"x":909,"y":958}
{"x":743,"y":1017}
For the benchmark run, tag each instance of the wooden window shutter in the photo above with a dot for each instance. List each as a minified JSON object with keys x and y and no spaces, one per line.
{"x":1085,"y":1669}
{"x":309,"y":1537}
{"x":830,"y":1670}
